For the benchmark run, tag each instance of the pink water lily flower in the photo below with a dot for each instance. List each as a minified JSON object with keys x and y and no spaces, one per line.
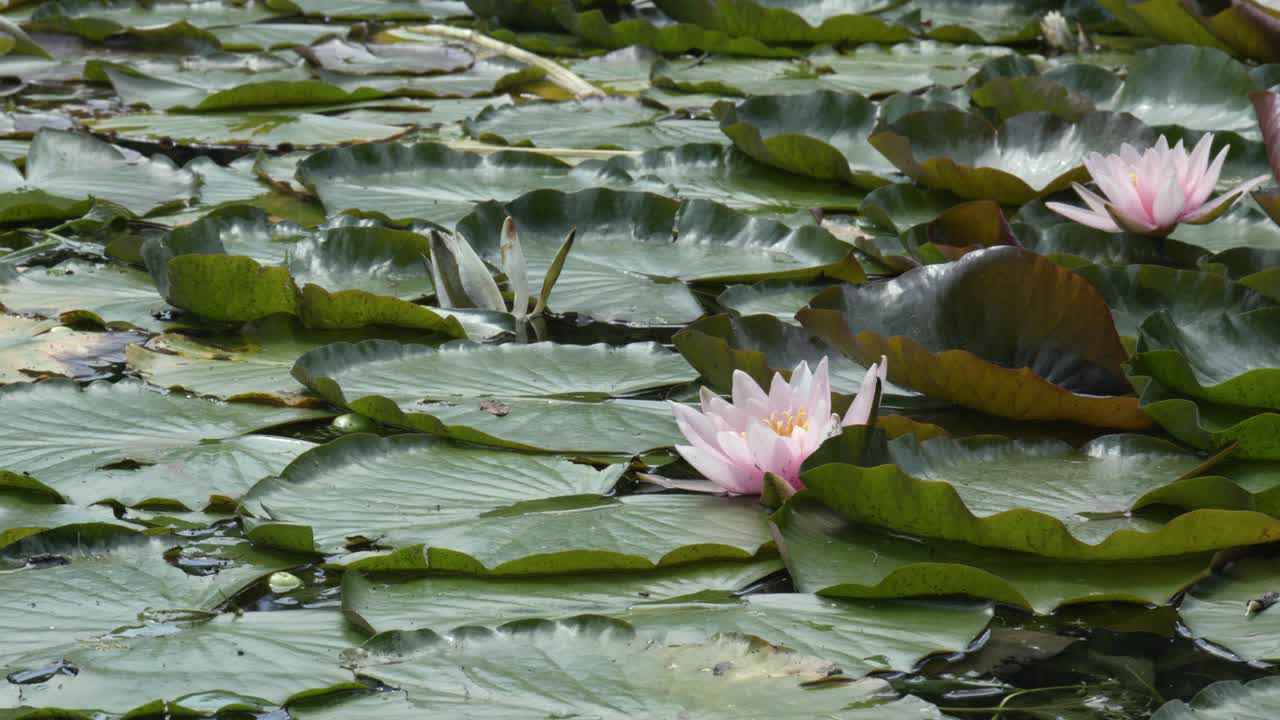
{"x":1150,"y":193}
{"x":735,"y":443}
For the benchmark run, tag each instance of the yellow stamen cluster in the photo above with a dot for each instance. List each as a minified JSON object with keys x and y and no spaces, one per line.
{"x":787,"y":424}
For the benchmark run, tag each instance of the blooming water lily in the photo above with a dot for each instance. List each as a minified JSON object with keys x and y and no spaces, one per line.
{"x":1150,"y":193}
{"x":735,"y":443}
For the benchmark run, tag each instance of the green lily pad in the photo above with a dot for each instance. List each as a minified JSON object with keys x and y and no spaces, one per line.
{"x":36,"y":516}
{"x":65,"y":171}
{"x":869,"y":70}
{"x":1135,"y":292}
{"x":976,"y":347}
{"x":266,"y":659}
{"x":1211,"y":426}
{"x":444,"y":602}
{"x":552,"y":535}
{"x":955,"y":490}
{"x":822,"y":134}
{"x":591,"y":123}
{"x":534,"y":418}
{"x":1027,"y":157}
{"x":475,"y":668}
{"x":634,"y":251}
{"x":373,"y":271}
{"x":100,"y":586}
{"x":779,"y":298}
{"x":730,"y":177}
{"x":411,"y":58}
{"x":428,"y":181}
{"x":896,"y":208}
{"x":836,"y":557}
{"x":790,"y":21}
{"x":96,"y":20}
{"x":1218,"y":101}
{"x":1215,"y":610}
{"x":32,"y":348}
{"x":448,"y":485}
{"x":183,"y":449}
{"x":377,"y":9}
{"x":1228,"y":359}
{"x":1001,"y":22}
{"x":1226,"y":699}
{"x":1240,"y":27}
{"x":594,"y":27}
{"x":110,"y":293}
{"x":268,"y":130}
{"x":273,"y":36}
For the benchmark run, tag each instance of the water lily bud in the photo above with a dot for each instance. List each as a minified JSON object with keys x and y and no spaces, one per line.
{"x":1056,"y":32}
{"x":283,"y":582}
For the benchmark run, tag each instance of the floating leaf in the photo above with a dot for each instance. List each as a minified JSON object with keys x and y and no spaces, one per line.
{"x":833,"y":556}
{"x":32,"y":348}
{"x":822,"y":134}
{"x":612,"y":122}
{"x":110,"y":294}
{"x":1229,"y":359}
{"x":183,"y":449}
{"x":790,"y":21}
{"x":954,"y":332}
{"x":633,"y":252}
{"x":476,"y":667}
{"x":954,"y":490}
{"x":1226,"y":699}
{"x":1216,"y":610}
{"x":1027,"y":157}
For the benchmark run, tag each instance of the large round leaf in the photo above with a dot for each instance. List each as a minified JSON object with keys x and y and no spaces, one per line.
{"x":110,"y":293}
{"x":183,"y":449}
{"x":632,"y":250}
{"x":1001,"y":330}
{"x":64,"y":171}
{"x":1134,"y":292}
{"x":443,"y":602}
{"x":822,"y":134}
{"x":790,"y":21}
{"x":531,"y":419}
{"x":253,"y":660}
{"x":834,"y":556}
{"x":411,"y":485}
{"x":91,"y":589}
{"x":505,"y":673}
{"x":730,"y":177}
{"x":590,"y":123}
{"x":1036,"y":497}
{"x":431,"y":182}
{"x":868,"y":70}
{"x":269,"y":130}
{"x":1231,"y":359}
{"x":1203,"y":424}
{"x":1028,"y":156}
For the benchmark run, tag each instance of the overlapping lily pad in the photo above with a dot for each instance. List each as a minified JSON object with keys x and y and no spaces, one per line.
{"x":1230,"y":359}
{"x":77,"y":290}
{"x":1215,"y":610}
{"x":1211,"y":426}
{"x":350,"y":276}
{"x":474,"y":668}
{"x":428,"y":181}
{"x":143,"y":445}
{"x":975,"y":345}
{"x":634,"y":252}
{"x":1028,"y":156}
{"x":869,"y":70}
{"x":668,"y":38}
{"x":295,"y":655}
{"x":65,"y":172}
{"x":822,"y":134}
{"x":557,"y":399}
{"x":1247,"y":28}
{"x":97,"y":20}
{"x":1226,"y":699}
{"x":32,"y":349}
{"x":834,"y":556}
{"x":624,"y":123}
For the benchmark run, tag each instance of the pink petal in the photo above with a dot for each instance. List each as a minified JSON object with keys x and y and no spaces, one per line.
{"x":1169,"y":202}
{"x":1084,"y":217}
{"x":744,"y":388}
{"x":695,"y":426}
{"x":1208,"y":181}
{"x":860,"y":410}
{"x":734,"y":479}
{"x":1230,"y":196}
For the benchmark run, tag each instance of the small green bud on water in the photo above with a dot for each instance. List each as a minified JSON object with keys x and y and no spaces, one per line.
{"x":283,"y":582}
{"x":353,"y":423}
